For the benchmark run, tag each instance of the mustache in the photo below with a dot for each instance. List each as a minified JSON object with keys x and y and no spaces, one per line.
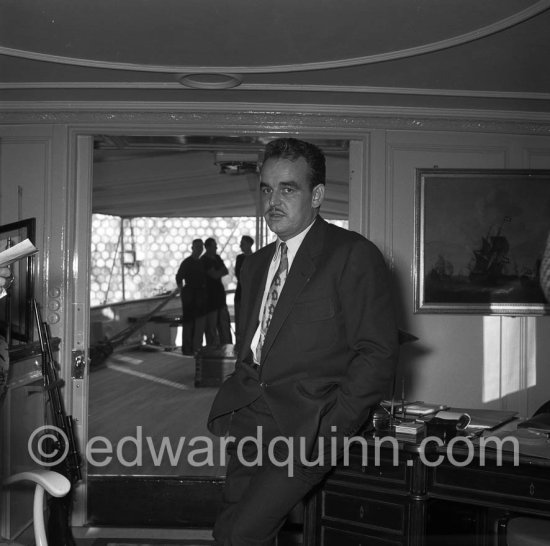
{"x":271,"y":210}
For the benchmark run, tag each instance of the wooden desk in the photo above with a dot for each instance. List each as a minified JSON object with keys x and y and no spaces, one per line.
{"x":411,"y":503}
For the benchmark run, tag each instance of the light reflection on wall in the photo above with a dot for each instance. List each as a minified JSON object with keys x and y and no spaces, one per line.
{"x":509,"y":356}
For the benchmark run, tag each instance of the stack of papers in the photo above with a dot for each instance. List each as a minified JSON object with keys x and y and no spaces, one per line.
{"x":409,"y":427}
{"x":16,"y":252}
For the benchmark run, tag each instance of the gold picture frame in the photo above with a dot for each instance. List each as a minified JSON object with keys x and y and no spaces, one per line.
{"x":479,"y":238}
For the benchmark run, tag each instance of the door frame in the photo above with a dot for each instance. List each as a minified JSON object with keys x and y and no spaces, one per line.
{"x":78,"y":227}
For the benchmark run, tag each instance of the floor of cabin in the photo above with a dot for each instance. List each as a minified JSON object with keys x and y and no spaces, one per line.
{"x":287,"y":537}
{"x":145,"y":397}
{"x":149,"y":395}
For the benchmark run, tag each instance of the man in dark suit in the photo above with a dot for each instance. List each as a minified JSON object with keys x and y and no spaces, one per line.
{"x":246,"y":245}
{"x":545,"y":270}
{"x":191,"y":280}
{"x":318,"y":351}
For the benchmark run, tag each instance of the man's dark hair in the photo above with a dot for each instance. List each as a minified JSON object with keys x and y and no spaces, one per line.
{"x":248,"y":239}
{"x":293,"y":149}
{"x":209,"y":242}
{"x":195,"y":241}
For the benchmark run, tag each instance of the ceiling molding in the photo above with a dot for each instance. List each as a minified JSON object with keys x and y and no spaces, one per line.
{"x":265,"y":119}
{"x":361,"y":89}
{"x":488,"y":30}
{"x":210,"y":81}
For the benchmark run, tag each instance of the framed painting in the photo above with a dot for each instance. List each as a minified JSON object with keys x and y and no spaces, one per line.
{"x":16,"y":312}
{"x":479,"y":239}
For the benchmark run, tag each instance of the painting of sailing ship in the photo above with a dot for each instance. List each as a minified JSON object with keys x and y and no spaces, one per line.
{"x":479,"y":241}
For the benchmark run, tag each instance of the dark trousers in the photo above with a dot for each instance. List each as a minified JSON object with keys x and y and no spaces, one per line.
{"x":257,"y":498}
{"x":193,"y":319}
{"x":218,"y":327}
{"x":192,"y":333}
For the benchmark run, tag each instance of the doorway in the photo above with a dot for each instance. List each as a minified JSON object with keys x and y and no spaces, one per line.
{"x":137,"y":399}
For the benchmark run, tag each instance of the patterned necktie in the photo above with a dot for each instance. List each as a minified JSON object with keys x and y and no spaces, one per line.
{"x":272,"y":298}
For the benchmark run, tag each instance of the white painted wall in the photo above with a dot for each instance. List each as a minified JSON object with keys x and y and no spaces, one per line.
{"x":462,"y":360}
{"x":450,"y":362}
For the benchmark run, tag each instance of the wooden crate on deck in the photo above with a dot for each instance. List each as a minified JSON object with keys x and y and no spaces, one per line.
{"x":213,"y":365}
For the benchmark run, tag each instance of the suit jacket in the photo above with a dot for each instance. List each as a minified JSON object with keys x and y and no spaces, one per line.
{"x":330,"y":352}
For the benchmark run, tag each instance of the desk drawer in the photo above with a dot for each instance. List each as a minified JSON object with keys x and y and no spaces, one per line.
{"x":385,"y":472}
{"x":375,"y":511}
{"x":512,"y":487}
{"x":340,"y":537}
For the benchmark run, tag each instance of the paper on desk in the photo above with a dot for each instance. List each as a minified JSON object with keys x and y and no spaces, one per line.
{"x":449,"y":415}
{"x":16,"y":252}
{"x":414,"y":409}
{"x":421,"y":408}
{"x":482,"y":419}
{"x":529,"y":442}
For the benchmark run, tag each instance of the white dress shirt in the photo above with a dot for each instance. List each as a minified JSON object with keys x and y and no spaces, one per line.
{"x":293,"y":245}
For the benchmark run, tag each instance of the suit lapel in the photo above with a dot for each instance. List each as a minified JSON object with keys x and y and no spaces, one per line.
{"x":303,"y":267}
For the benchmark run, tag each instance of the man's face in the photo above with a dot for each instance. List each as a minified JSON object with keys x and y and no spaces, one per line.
{"x":211,"y":248}
{"x":289,"y":205}
{"x":245,"y":245}
{"x":197,"y":248}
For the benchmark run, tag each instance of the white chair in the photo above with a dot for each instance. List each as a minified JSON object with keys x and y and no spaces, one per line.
{"x":54,"y":483}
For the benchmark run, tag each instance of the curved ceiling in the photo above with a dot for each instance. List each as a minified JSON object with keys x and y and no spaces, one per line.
{"x":466,"y":54}
{"x":202,"y":36}
{"x":180,"y":176}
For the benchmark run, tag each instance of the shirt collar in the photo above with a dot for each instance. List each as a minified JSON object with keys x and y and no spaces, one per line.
{"x":293,"y":244}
